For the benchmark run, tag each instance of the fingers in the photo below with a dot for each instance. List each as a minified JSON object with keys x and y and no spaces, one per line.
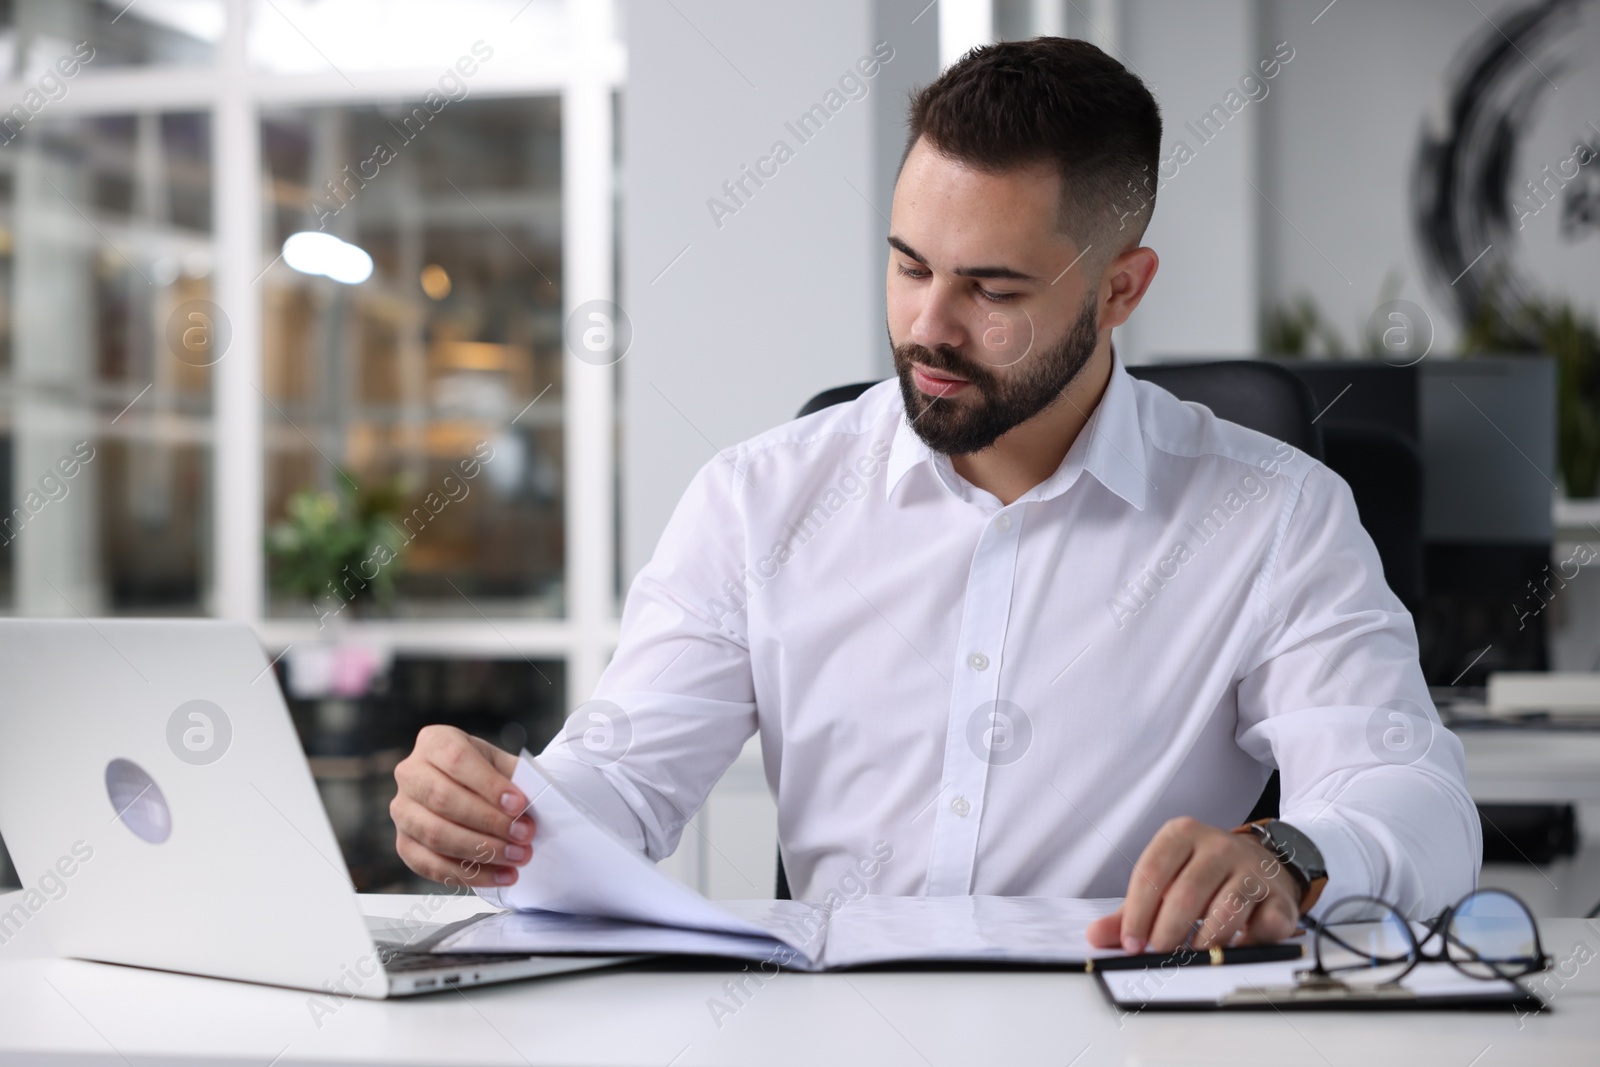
{"x":1160,"y":862}
{"x":452,"y":840}
{"x":451,"y":872}
{"x":458,"y":819}
{"x":1188,"y":897}
{"x":1273,"y":920}
{"x":1106,"y":931}
{"x":473,"y":764}
{"x":431,"y":789}
{"x":1193,"y":874}
{"x":499,"y":758}
{"x":1230,"y":911}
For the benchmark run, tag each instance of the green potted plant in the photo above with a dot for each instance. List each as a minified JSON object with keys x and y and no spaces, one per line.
{"x":339,"y":550}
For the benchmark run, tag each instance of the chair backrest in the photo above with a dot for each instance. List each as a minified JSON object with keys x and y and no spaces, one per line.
{"x":1384,"y":471}
{"x":1259,"y":395}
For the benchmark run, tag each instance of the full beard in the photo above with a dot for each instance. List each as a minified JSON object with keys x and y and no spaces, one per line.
{"x":965,"y":423}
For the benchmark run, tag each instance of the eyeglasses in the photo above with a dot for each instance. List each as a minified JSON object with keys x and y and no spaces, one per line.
{"x":1364,"y":942}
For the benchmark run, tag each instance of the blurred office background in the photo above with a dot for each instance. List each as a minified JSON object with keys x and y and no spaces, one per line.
{"x":484,"y":283}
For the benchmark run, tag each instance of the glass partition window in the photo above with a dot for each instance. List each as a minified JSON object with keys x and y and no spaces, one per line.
{"x":36,"y":34}
{"x":258,"y":257}
{"x":105,"y":236}
{"x":413,"y":344}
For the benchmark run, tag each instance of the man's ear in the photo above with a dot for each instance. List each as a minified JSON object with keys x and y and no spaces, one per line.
{"x":1124,"y":284}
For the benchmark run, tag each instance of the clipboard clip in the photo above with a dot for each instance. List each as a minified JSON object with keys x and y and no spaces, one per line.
{"x":1313,"y":988}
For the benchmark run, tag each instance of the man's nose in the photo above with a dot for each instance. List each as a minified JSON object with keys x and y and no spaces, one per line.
{"x":937,"y":324}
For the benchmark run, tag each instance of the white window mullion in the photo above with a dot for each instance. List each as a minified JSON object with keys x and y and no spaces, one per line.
{"x":238,"y":462}
{"x":587,"y":272}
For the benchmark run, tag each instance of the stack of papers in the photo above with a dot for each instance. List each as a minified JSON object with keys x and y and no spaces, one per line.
{"x":586,"y":891}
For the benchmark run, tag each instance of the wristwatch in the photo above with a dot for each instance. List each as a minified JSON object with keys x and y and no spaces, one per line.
{"x":1296,"y":852}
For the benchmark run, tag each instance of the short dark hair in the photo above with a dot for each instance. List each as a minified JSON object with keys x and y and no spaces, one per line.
{"x":1060,"y":102}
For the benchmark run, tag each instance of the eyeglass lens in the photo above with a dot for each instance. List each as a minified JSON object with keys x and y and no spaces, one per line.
{"x":1491,"y":934}
{"x":1364,"y":942}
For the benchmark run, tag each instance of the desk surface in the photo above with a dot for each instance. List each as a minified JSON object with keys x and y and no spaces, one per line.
{"x":83,"y":1013}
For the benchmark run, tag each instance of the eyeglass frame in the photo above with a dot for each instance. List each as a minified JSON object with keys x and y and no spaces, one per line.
{"x":1439,"y":926}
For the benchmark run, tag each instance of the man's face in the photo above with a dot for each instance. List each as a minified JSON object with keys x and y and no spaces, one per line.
{"x":991,"y":314}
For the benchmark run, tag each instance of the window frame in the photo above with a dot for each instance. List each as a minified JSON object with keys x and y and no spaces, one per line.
{"x":586,"y":75}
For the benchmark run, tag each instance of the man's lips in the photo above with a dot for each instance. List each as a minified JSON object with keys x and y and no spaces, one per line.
{"x":936,"y":383}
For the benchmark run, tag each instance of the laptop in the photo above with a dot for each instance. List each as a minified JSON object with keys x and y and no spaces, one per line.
{"x":160,"y":813}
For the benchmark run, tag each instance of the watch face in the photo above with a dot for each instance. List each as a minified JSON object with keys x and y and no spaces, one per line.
{"x":1297,"y":849}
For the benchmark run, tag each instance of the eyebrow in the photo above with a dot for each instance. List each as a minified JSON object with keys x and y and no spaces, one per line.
{"x":965,"y":272}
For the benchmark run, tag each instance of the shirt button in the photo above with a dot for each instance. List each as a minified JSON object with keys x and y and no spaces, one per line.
{"x":960,"y":806}
{"x":978,"y":661}
{"x":1003,"y":523}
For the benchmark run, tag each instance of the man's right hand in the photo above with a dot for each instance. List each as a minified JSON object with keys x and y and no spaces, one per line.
{"x":457,"y":817}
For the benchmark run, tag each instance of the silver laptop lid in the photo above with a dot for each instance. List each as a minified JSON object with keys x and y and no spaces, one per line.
{"x":157,"y":803}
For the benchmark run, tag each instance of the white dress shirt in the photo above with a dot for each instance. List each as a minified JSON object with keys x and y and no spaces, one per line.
{"x":1013,"y":699}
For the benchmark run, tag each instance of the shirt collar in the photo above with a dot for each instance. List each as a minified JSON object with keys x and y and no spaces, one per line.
{"x":1111,"y":447}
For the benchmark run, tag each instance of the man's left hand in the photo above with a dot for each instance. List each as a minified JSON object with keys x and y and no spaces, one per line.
{"x":1193,"y":873}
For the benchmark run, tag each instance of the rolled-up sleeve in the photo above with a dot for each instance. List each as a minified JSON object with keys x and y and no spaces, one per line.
{"x":677,"y":702}
{"x":1332,"y":693}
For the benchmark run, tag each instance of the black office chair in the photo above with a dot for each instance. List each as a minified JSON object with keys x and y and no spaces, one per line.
{"x":1262,"y":396}
{"x":1384,"y":471}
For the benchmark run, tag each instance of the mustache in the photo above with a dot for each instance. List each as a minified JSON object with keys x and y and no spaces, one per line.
{"x":943,"y":359}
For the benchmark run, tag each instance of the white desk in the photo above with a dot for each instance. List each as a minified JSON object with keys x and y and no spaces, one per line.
{"x":92,"y":1014}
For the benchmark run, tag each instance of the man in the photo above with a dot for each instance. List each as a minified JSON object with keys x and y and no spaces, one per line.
{"x":1015,"y":618}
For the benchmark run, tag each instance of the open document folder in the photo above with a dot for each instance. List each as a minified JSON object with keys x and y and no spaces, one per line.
{"x":584,"y":890}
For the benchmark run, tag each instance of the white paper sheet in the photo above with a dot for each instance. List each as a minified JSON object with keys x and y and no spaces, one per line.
{"x":584,"y":890}
{"x":971,"y":929}
{"x":549,"y":932}
{"x":579,"y":867}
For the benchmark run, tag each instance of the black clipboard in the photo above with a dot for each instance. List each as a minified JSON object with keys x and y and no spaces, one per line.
{"x":1279,"y":996}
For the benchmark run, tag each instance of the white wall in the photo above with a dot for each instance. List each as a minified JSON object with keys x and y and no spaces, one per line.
{"x":1330,"y":150}
{"x":737,"y":324}
{"x":1341,"y":133}
{"x":1203,"y":299}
